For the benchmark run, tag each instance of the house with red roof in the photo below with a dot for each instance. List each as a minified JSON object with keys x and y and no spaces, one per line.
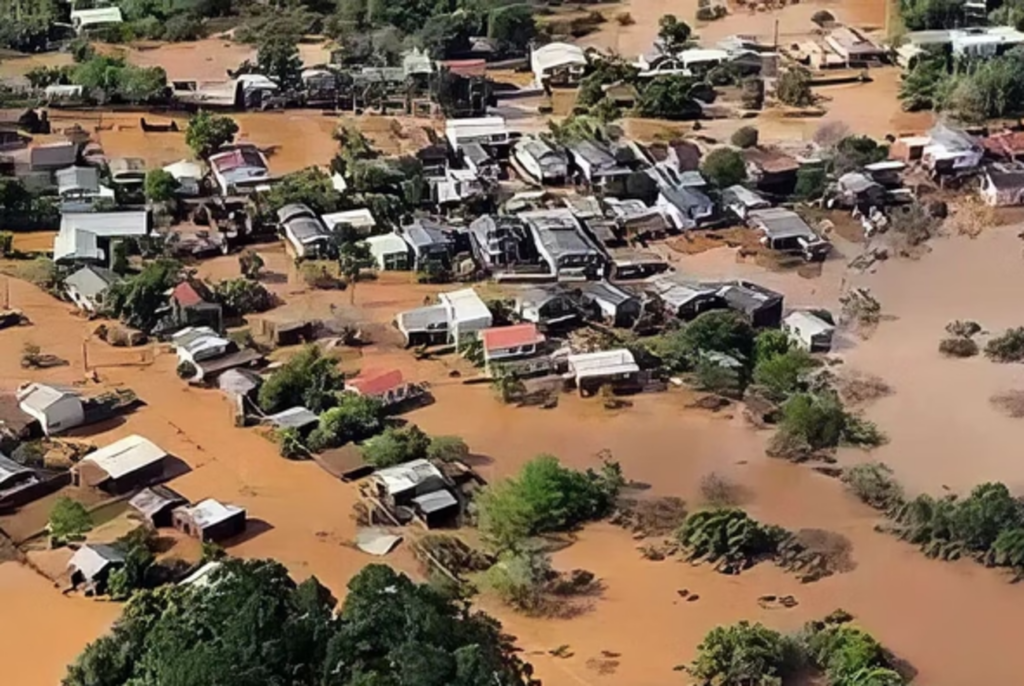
{"x":191,"y":304}
{"x":388,"y":386}
{"x":511,"y":343}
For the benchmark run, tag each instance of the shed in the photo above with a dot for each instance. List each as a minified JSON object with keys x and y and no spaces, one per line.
{"x":75,"y":180}
{"x":210,"y":520}
{"x":87,"y":286}
{"x":483,"y":130}
{"x":542,"y":161}
{"x":93,"y":562}
{"x":56,"y":410}
{"x":740,"y":200}
{"x":617,"y":306}
{"x":685,"y":207}
{"x":561,"y":64}
{"x":240,"y":382}
{"x":122,"y":466}
{"x":400,"y":484}
{"x":435,"y":509}
{"x":154,"y":505}
{"x":548,"y":306}
{"x":761,"y":305}
{"x":292,"y":418}
{"x":424,"y":325}
{"x":360,"y":219}
{"x":809,"y":331}
{"x":593,"y":370}
{"x":53,"y":156}
{"x":389,"y":251}
{"x":467,"y":313}
{"x":188,"y":174}
{"x":87,"y":19}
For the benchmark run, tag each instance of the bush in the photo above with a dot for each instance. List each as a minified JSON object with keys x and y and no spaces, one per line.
{"x":396,"y":446}
{"x":625,"y":19}
{"x":793,"y":88}
{"x":874,"y":484}
{"x":447,"y":449}
{"x":753,"y":93}
{"x":712,"y":13}
{"x":519,"y":578}
{"x":183,"y":27}
{"x":810,"y":183}
{"x":289,"y":444}
{"x":69,"y":520}
{"x":307,"y":379}
{"x":820,"y":422}
{"x":1007,"y":348}
{"x":724,"y":167}
{"x":714,"y":377}
{"x":207,"y":132}
{"x":717,"y":491}
{"x":822,"y":17}
{"x":745,"y":137}
{"x":730,"y":539}
{"x":744,"y":654}
{"x":781,"y":375}
{"x":355,"y":418}
{"x":958,"y":347}
{"x":243,"y":296}
{"x":186,"y":370}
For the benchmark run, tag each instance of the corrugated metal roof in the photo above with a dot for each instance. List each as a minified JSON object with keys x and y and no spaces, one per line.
{"x":39,"y":397}
{"x":99,"y":15}
{"x":92,"y":558}
{"x":125,"y":456}
{"x":211,"y":512}
{"x":603,"y":363}
{"x":437,"y":501}
{"x":149,"y":501}
{"x":409,"y":475}
{"x":11,"y":470}
{"x":91,"y":281}
{"x":502,"y":337}
{"x":292,"y":418}
{"x":107,"y":224}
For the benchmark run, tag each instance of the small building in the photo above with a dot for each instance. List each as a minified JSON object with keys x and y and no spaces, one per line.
{"x":480,"y":162}
{"x":809,"y":331}
{"x":210,"y":520}
{"x":542,"y":161}
{"x":389,"y":387}
{"x":771,"y":171}
{"x":87,"y":235}
{"x":597,"y":165}
{"x":360,"y":219}
{"x":305,"y":235}
{"x":487,"y":131}
{"x":92,"y":563}
{"x":685,"y":208}
{"x":83,"y":20}
{"x":762,"y":306}
{"x":191,"y":304}
{"x":122,"y":466}
{"x":785,"y":231}
{"x":429,"y":243}
{"x":617,"y":306}
{"x":466,"y":313}
{"x":154,"y":505}
{"x":390,"y":252}
{"x":889,"y":173}
{"x":683,"y":299}
{"x":424,"y":325}
{"x":557,"y":64}
{"x":1002,"y":185}
{"x":56,"y":410}
{"x":189,"y":176}
{"x":501,"y":240}
{"x":503,"y":343}
{"x":951,"y":151}
{"x":628,"y":263}
{"x":128,"y":171}
{"x":741,"y":201}
{"x":53,"y":156}
{"x":679,"y":155}
{"x":563,"y":245}
{"x":195,"y":344}
{"x":79,"y":188}
{"x":548,"y":307}
{"x":297,"y":418}
{"x":87,"y":287}
{"x":239,"y":170}
{"x":854,"y":47}
{"x":616,"y":368}
{"x":406,"y":485}
{"x":857,"y":189}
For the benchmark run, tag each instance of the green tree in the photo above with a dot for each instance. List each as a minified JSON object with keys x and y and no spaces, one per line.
{"x":353,"y":258}
{"x":1009,"y":347}
{"x":355,"y":418}
{"x":673,"y":34}
{"x":447,"y":449}
{"x":396,"y":446}
{"x":243,"y":296}
{"x":923,"y":15}
{"x":856,"y":152}
{"x":119,"y":263}
{"x":793,"y":88}
{"x":140,"y":84}
{"x":311,"y":187}
{"x":874,"y":484}
{"x":250,"y":264}
{"x":744,"y":654}
{"x":724,"y":167}
{"x":781,"y":375}
{"x":745,"y":137}
{"x":818,"y":419}
{"x":278,"y":58}
{"x":207,"y":132}
{"x":68,"y":520}
{"x":720,"y":331}
{"x":770,"y":343}
{"x":138,"y":300}
{"x":160,"y":186}
{"x":512,"y":27}
{"x":715,"y":377}
{"x":729,"y":538}
{"x":669,"y":97}
{"x":308,"y":379}
{"x":518,"y":578}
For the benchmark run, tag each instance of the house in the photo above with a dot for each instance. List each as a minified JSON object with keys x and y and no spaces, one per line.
{"x":194,"y":344}
{"x":557,"y":64}
{"x":16,"y":483}
{"x":950,"y":151}
{"x":480,"y":162}
{"x":53,"y":156}
{"x":87,"y":235}
{"x":128,"y":171}
{"x":83,"y":20}
{"x":633,"y":218}
{"x":1002,"y":185}
{"x":684,"y":299}
{"x":809,"y":331}
{"x":360,"y":219}
{"x":854,"y":47}
{"x":887,"y":172}
{"x":305,"y":236}
{"x":419,"y":486}
{"x":857,"y":189}
{"x":541,"y":161}
{"x":210,"y":520}
{"x":561,"y":243}
{"x":502,"y":240}
{"x":190,"y":304}
{"x":154,"y":505}
{"x":615,"y":368}
{"x":239,"y":383}
{"x":487,"y":131}
{"x":597,"y":165}
{"x":429,"y":243}
{"x":297,"y":418}
{"x":239,"y":170}
{"x":79,"y":188}
{"x":424,"y":325}
{"x":763,"y":307}
{"x":56,"y":410}
{"x":389,"y":387}
{"x":685,"y":208}
{"x":617,"y":306}
{"x":982,"y":42}
{"x":771,"y":171}
{"x":628,"y":263}
{"x":92,"y":563}
{"x":458,"y":186}
{"x":87,"y":287}
{"x":741,"y":201}
{"x":122,"y":466}
{"x":785,"y":231}
{"x":467,"y":313}
{"x":547,"y":306}
{"x":390,"y":252}
{"x":189,"y":176}
{"x":503,"y":343}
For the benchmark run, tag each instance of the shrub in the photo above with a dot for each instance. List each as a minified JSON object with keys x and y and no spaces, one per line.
{"x":307,"y":379}
{"x":820,"y":421}
{"x":1007,"y":348}
{"x":810,"y":183}
{"x":744,"y":654}
{"x":68,"y":520}
{"x":243,"y":296}
{"x":186,"y":370}
{"x":289,"y":444}
{"x":874,"y":484}
{"x":793,"y":87}
{"x":625,"y":19}
{"x":822,"y":17}
{"x":396,"y":446}
{"x":518,"y":579}
{"x":781,"y":375}
{"x":729,"y":538}
{"x":447,"y":449}
{"x":724,"y":167}
{"x":745,"y":137}
{"x":355,"y":418}
{"x":714,"y":377}
{"x":958,"y":347}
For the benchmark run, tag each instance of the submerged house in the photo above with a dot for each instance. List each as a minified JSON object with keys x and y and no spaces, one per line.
{"x":87,"y":287}
{"x":239,"y":170}
{"x":502,"y":240}
{"x":305,"y":236}
{"x":786,"y":231}
{"x":950,"y":151}
{"x":55,"y":409}
{"x":562,"y":244}
{"x":387,"y":386}
{"x":122,"y":466}
{"x":390,"y":252}
{"x":210,"y":520}
{"x":616,"y":305}
{"x":154,"y":505}
{"x":809,"y":331}
{"x":544,"y":162}
{"x":419,"y":488}
{"x":1002,"y":184}
{"x":457,"y":314}
{"x":92,"y":563}
{"x":548,"y":307}
{"x":686,"y":208}
{"x":761,"y":306}
{"x":86,"y":236}
{"x":741,"y":201}
{"x":615,"y":368}
{"x":771,"y":171}
{"x":508,"y":343}
{"x":557,"y":64}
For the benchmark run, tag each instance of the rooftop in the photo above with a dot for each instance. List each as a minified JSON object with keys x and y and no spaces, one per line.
{"x":211,"y":512}
{"x":770,"y":161}
{"x":465,"y":305}
{"x":554,"y":55}
{"x":125,"y":456}
{"x":436,"y":501}
{"x":376,"y":382}
{"x":408,"y":476}
{"x":186,"y":295}
{"x":558,"y":231}
{"x":603,"y":363}
{"x":54,"y":155}
{"x":91,"y":281}
{"x":39,"y":396}
{"x":150,"y":501}
{"x":360,"y":218}
{"x":78,"y":179}
{"x":107,"y":224}
{"x":778,"y":222}
{"x":517,"y":336}
{"x":11,"y":471}
{"x":807,"y":322}
{"x":292,"y":418}
{"x":92,"y":558}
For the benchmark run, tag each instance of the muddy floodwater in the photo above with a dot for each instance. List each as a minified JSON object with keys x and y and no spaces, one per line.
{"x":955,"y":623}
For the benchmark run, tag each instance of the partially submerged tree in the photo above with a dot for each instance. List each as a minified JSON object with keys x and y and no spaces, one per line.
{"x":307,"y":379}
{"x":745,"y":137}
{"x":874,"y":484}
{"x":724,"y":167}
{"x":68,"y":521}
{"x":278,"y":58}
{"x":1009,"y":347}
{"x":250,"y":264}
{"x":673,"y":34}
{"x":744,"y":654}
{"x":396,"y":445}
{"x":355,"y":418}
{"x":793,"y":88}
{"x":207,"y":132}
{"x":730,"y":539}
{"x":160,"y":186}
{"x":137,"y":300}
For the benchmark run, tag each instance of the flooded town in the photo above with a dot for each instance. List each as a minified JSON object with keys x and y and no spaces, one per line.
{"x":480,"y":343}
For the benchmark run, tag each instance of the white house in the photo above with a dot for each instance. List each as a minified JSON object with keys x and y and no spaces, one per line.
{"x":360,"y":219}
{"x":303,"y":230}
{"x":390,"y":252}
{"x":591,"y":370}
{"x":560,"y":64}
{"x":467,"y":313}
{"x":56,"y":410}
{"x":80,"y":232}
{"x":809,"y":331}
{"x":483,"y":130}
{"x":82,"y":20}
{"x":542,"y":162}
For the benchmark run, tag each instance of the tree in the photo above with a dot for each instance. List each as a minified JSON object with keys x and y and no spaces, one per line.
{"x":745,"y":137}
{"x":396,"y":446}
{"x":353,"y":257}
{"x":669,"y":97}
{"x":160,"y":186}
{"x":68,"y":520}
{"x":278,"y":57}
{"x":243,"y":296}
{"x":923,"y":15}
{"x":770,"y":343}
{"x":721,"y":331}
{"x":207,"y":132}
{"x":724,"y":167}
{"x":308,"y":379}
{"x":818,"y":419}
{"x":673,"y":34}
{"x":519,"y":578}
{"x":743,"y":654}
{"x":119,"y":264}
{"x":512,"y":27}
{"x":1008,"y":347}
{"x":715,"y":377}
{"x":856,"y":152}
{"x":729,"y":538}
{"x":140,"y":84}
{"x":447,"y":449}
{"x":132,"y":575}
{"x":794,"y":88}
{"x":183,"y":27}
{"x":781,"y":375}
{"x":137,"y":300}
{"x":355,"y":418}
{"x":874,"y":484}
{"x":250,"y":264}
{"x":311,"y":187}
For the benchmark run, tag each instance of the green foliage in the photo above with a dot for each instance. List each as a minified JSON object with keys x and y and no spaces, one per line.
{"x":819,"y":421}
{"x":307,"y":379}
{"x":771,"y":343}
{"x":721,"y":331}
{"x":207,"y":132}
{"x":811,"y":182}
{"x":576,"y":128}
{"x":714,"y":377}
{"x":6,"y":243}
{"x":745,"y":137}
{"x":1007,"y":348}
{"x":389,"y":631}
{"x":137,"y":548}
{"x":311,"y":187}
{"x":512,"y":27}
{"x":355,"y":418}
{"x":396,"y":446}
{"x":242,"y":296}
{"x":744,"y":654}
{"x":855,"y":152}
{"x":729,"y":538}
{"x":68,"y":520}
{"x":924,"y":86}
{"x":518,"y":578}
{"x":137,"y":299}
{"x":544,"y":497}
{"x":669,"y":97}
{"x":793,"y":88}
{"x":21,"y":210}
{"x":278,"y":57}
{"x":289,"y":444}
{"x":674,"y":35}
{"x":724,"y":167}
{"x":112,"y":77}
{"x":874,"y":484}
{"x":848,"y":656}
{"x":781,"y":375}
{"x":160,"y":186}
{"x":250,"y":264}
{"x":119,"y":265}
{"x":603,"y":71}
{"x":447,"y":449}
{"x":923,"y":15}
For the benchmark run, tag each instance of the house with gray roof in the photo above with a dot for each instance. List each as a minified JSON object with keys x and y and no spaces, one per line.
{"x":92,"y":563}
{"x":562,"y":244}
{"x":685,"y":207}
{"x":87,"y":287}
{"x":429,"y":241}
{"x":616,"y":305}
{"x":304,"y":233}
{"x":544,"y":162}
